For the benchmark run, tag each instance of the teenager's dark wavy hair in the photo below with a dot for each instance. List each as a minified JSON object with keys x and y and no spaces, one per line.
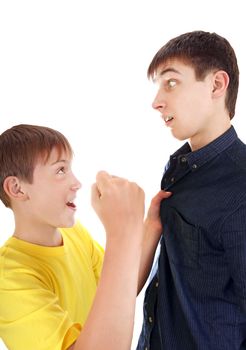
{"x":205,"y":52}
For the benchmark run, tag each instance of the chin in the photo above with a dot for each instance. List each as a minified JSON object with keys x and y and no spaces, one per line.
{"x":68,"y":223}
{"x":180,"y":137}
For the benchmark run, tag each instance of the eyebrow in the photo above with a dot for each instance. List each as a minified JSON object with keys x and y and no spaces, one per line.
{"x":60,"y":161}
{"x":166,"y":70}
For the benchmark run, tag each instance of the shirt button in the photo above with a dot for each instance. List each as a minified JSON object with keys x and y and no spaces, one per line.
{"x":172,"y":179}
{"x":150,"y":320}
{"x":146,"y":348}
{"x":194,"y":166}
{"x":157,"y":284}
{"x":183,"y":160}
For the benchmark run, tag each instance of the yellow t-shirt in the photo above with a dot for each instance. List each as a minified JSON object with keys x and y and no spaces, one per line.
{"x":46,"y":292}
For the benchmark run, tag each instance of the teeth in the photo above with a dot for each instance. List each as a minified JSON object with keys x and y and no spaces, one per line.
{"x":169,"y":117}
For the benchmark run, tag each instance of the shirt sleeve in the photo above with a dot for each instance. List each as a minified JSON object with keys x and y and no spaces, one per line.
{"x":233,"y":237}
{"x":31,"y":317}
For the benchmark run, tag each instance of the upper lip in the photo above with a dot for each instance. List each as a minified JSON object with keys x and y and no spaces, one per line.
{"x":167,"y":117}
{"x":71,"y":202}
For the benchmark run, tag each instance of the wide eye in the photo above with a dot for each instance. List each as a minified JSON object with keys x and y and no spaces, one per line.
{"x":61,"y":170}
{"x":171,"y":83}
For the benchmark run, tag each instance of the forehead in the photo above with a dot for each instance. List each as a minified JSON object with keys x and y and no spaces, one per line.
{"x":173,"y":67}
{"x":55,"y":155}
{"x":58,"y":154}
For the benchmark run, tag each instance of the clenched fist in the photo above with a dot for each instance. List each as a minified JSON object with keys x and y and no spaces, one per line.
{"x":118,"y":203}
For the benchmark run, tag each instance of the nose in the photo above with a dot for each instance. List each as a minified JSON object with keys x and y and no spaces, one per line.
{"x":158,"y":103}
{"x":76,"y":184}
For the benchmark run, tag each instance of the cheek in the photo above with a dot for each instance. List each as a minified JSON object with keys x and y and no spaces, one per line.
{"x":44,"y":194}
{"x":184,"y":107}
{"x":186,"y":125}
{"x":194,"y":110}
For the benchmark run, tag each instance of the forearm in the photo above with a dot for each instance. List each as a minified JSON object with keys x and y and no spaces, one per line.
{"x":149,"y":246}
{"x":111,"y":319}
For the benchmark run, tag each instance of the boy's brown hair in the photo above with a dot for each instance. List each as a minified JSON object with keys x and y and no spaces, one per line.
{"x":205,"y":52}
{"x":22,"y":146}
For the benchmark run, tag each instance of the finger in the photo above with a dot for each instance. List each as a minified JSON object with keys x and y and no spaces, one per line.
{"x":165,"y":194}
{"x":95,"y":193}
{"x":102,"y":176}
{"x":102,"y":180}
{"x":160,"y":196}
{"x":115,"y":177}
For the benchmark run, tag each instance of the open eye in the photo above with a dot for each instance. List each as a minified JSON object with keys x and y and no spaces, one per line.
{"x":61,"y":170}
{"x":171,"y":83}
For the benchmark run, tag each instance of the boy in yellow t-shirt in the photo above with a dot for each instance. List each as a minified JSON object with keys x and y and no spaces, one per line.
{"x":51,"y":297}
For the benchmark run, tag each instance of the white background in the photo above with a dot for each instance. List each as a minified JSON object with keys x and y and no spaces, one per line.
{"x":80,"y":67}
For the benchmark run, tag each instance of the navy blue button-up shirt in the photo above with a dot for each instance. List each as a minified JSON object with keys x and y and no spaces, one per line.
{"x":197,"y":298}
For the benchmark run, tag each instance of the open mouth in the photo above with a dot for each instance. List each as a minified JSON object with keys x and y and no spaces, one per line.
{"x":168,"y":118}
{"x":71,"y":205}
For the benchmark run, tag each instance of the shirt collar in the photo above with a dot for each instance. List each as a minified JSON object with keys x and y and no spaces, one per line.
{"x":201,"y":156}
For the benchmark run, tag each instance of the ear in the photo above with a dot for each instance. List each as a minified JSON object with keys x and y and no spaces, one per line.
{"x":12,"y":187}
{"x":220,"y":83}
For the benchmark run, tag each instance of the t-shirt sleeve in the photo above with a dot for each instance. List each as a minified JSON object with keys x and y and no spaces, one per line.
{"x":95,"y":249}
{"x":97,"y":259}
{"x":233,"y":237}
{"x":31,"y":317}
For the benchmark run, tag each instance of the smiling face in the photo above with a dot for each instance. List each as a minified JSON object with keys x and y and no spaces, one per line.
{"x":186,"y":104}
{"x":51,"y":195}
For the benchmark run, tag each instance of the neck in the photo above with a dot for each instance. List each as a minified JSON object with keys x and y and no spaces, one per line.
{"x":208,"y":135}
{"x":44,"y":236}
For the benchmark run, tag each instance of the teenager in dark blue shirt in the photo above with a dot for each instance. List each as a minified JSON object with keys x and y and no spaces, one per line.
{"x":196,"y":299}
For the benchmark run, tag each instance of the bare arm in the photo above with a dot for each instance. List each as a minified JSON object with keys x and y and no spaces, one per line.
{"x":120,"y":206}
{"x":152,"y":233}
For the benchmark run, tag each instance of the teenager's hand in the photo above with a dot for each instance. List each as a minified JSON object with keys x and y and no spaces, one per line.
{"x":119,"y":203}
{"x":153,"y":221}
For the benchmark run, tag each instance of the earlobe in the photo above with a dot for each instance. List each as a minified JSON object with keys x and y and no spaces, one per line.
{"x":13,"y":188}
{"x":220,"y":83}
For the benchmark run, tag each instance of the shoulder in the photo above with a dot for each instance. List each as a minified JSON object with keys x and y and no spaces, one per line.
{"x":237,"y":153}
